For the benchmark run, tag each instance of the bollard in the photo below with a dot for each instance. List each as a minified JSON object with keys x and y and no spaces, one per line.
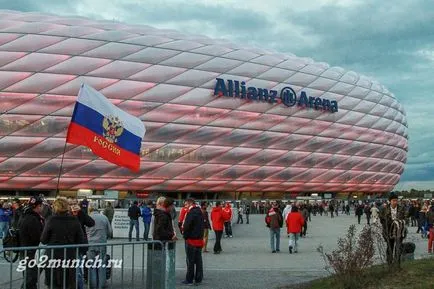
{"x":161,"y":266}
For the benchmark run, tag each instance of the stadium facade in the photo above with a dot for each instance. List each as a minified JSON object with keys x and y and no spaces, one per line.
{"x":220,"y":117}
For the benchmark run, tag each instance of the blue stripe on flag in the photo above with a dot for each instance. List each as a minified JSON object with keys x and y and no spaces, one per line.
{"x":93,"y":120}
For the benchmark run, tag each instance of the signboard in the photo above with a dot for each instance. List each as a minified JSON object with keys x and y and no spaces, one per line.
{"x":110,"y":194}
{"x":121,"y":225}
{"x":84,"y":193}
{"x":287,"y":95}
{"x":327,"y":196}
{"x":427,"y":196}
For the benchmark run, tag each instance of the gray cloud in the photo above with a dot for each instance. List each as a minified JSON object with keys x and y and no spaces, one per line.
{"x":390,"y":41}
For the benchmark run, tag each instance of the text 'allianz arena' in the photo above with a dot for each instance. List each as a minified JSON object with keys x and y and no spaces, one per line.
{"x":219,"y":116}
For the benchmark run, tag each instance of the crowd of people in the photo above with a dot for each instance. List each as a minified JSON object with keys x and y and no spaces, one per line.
{"x":69,"y":222}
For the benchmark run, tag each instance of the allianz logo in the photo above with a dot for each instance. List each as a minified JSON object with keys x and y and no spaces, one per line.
{"x":287,"y":95}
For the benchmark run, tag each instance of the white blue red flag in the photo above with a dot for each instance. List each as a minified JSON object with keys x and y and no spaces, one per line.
{"x":108,"y":131}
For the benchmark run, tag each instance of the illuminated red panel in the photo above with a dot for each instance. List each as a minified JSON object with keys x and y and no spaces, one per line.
{"x":203,"y":172}
{"x":170,"y":185}
{"x":65,"y":183}
{"x":145,"y":167}
{"x":137,"y":184}
{"x":23,"y":182}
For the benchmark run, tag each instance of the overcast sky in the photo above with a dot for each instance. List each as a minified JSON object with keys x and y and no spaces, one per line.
{"x":391,"y":41}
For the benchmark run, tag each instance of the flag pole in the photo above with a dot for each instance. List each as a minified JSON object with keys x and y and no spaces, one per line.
{"x":60,"y":170}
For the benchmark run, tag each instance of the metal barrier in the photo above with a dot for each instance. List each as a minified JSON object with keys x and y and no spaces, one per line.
{"x":141,"y":264}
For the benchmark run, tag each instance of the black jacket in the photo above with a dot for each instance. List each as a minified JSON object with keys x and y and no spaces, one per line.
{"x":85,"y":221}
{"x":194,"y":224}
{"x":18,"y":213}
{"x":134,"y":212}
{"x":62,"y":230}
{"x":30,"y":228}
{"x":163,"y":227}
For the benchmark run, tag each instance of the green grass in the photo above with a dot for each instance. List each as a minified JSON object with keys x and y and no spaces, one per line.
{"x":413,"y":275}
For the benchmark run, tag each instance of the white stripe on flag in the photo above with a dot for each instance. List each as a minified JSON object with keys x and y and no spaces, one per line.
{"x":98,"y":102}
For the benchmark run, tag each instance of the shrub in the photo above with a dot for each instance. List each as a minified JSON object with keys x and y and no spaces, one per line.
{"x":353,"y":255}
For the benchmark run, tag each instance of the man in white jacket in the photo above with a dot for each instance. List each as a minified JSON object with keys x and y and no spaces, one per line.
{"x":286,"y":212}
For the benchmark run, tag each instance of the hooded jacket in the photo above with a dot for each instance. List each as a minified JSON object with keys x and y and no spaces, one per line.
{"x":217,"y":219}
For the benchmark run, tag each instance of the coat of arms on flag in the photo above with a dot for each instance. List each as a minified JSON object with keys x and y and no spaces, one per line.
{"x":108,"y":131}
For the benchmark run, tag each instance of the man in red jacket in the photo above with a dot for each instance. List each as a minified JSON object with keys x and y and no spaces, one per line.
{"x":182,"y":215}
{"x":227,"y":216}
{"x":294,"y":224}
{"x":217,"y":225}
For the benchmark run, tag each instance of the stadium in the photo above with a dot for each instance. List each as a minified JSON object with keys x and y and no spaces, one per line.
{"x":220,"y":117}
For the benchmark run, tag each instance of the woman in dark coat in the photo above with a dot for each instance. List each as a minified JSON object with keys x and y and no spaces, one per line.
{"x":62,"y":229}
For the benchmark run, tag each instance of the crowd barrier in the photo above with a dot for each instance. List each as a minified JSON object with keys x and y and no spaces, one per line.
{"x":139,"y":264}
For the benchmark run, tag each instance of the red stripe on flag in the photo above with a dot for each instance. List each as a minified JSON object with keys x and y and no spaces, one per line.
{"x":80,"y":135}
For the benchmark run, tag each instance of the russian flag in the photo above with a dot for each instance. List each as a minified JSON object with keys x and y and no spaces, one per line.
{"x":108,"y":131}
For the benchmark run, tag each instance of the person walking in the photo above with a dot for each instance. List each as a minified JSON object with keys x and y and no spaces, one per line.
{"x":240,"y":215}
{"x":217,"y":225}
{"x":375,"y":214}
{"x":146,"y":213}
{"x":30,"y":226}
{"x":359,"y":212}
{"x":98,"y":234}
{"x":294,"y":224}
{"x":286,"y":211}
{"x":247,"y":213}
{"x":193,"y":235}
{"x":134,"y":214}
{"x":305,"y":215}
{"x":62,"y":229}
{"x":274,"y":221}
{"x":206,"y":225}
{"x":332,"y":209}
{"x":368,"y":213}
{"x":227,"y":215}
{"x":392,"y":219}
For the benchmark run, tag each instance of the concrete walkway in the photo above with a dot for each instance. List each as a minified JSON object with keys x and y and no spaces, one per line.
{"x":246,"y":260}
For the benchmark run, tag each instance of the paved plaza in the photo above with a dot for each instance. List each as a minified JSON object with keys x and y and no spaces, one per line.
{"x":246,"y":260}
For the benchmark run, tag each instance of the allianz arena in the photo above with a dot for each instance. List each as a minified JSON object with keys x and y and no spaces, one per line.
{"x":220,"y":117}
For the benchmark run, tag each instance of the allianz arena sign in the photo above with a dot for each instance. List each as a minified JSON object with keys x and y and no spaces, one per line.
{"x":287,"y":96}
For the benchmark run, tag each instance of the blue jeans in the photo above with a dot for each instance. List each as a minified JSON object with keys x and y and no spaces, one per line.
{"x":293,"y":238}
{"x":4,"y":228}
{"x":275,"y":239}
{"x":134,"y":223}
{"x":97,"y":275}
{"x":146,"y":233}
